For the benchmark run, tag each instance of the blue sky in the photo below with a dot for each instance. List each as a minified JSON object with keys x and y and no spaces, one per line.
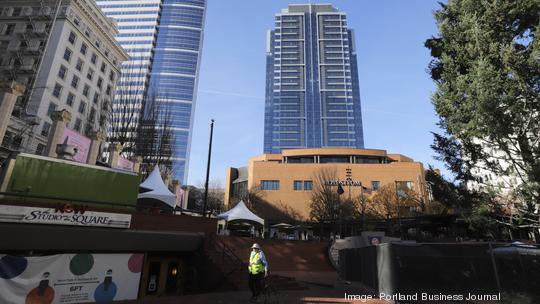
{"x":395,"y":88}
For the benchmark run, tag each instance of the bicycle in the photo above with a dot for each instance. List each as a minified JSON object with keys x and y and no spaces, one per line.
{"x":270,"y":293}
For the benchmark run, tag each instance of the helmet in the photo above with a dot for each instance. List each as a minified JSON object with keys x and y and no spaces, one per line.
{"x":256,"y":246}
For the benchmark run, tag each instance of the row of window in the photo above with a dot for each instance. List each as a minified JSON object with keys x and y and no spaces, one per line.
{"x":307,"y":185}
{"x":299,"y":185}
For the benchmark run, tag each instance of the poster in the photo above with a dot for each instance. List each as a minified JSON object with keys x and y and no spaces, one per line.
{"x":69,"y":278}
{"x":82,"y":143}
{"x":125,"y":164}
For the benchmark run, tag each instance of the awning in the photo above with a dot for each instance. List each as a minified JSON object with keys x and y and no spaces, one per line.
{"x":156,"y":189}
{"x":240,"y":212}
{"x":22,"y":237}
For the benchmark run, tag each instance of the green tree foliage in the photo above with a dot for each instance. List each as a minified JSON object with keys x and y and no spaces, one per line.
{"x":487,"y":70}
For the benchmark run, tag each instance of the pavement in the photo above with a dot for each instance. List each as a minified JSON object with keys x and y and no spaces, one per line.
{"x":322,"y":287}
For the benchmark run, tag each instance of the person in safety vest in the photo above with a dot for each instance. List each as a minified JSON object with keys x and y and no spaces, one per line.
{"x":258,"y":269}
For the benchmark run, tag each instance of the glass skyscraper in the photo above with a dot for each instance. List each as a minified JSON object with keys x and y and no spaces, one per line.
{"x":312,"y":90}
{"x":164,"y":39}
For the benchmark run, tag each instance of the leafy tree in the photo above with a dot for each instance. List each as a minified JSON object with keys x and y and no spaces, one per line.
{"x":487,"y":70}
{"x":386,"y":203}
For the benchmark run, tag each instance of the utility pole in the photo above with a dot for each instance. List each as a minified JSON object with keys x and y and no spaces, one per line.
{"x":208,"y":168}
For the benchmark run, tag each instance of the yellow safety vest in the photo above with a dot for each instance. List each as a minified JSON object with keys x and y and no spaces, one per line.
{"x":255,"y":264}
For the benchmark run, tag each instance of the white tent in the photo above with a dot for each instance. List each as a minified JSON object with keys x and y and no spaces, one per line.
{"x":158,"y":190}
{"x":240,"y":212}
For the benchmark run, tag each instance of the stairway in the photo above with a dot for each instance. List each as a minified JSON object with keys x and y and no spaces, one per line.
{"x":233,"y":269}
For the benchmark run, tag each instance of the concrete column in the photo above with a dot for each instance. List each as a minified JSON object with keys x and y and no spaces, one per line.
{"x":114,"y":154}
{"x":9,"y":91}
{"x":137,"y":161}
{"x":60,"y":121}
{"x":168,"y":179}
{"x":176,"y":187}
{"x":97,"y":138}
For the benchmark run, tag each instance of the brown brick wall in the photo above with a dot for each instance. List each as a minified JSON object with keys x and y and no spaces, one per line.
{"x":170,"y":222}
{"x":284,"y":255}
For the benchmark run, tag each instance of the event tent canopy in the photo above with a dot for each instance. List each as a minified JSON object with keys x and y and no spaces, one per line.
{"x":155,"y":189}
{"x":240,"y":212}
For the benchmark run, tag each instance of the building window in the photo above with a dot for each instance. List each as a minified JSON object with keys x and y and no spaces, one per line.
{"x":77,"y":125}
{"x":9,"y":29}
{"x":375,"y":185}
{"x":72,"y":38}
{"x":46,"y":129}
{"x":75,"y":81}
{"x":84,"y":48}
{"x":270,"y":185}
{"x":99,"y":82}
{"x":111,"y":76}
{"x":94,"y":58}
{"x":90,"y":74}
{"x":62,"y":72}
{"x":51,"y":109}
{"x":82,"y":107}
{"x":79,"y":64}
{"x":108,"y":90}
{"x":85,"y":90}
{"x":67,"y":54}
{"x":409,"y":185}
{"x":308,"y":185}
{"x":103,"y":67}
{"x":57,"y":90}
{"x":297,"y":185}
{"x":96,"y":97}
{"x":92,"y":115}
{"x":40,"y":149}
{"x":70,"y":99}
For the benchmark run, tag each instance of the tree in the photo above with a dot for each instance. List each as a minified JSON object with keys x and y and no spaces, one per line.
{"x":155,"y":137}
{"x":324,"y":200}
{"x":126,"y":111}
{"x":326,"y":206}
{"x":487,"y":68}
{"x":386,"y":203}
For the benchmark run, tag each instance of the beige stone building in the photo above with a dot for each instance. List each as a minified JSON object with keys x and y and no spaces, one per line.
{"x":286,"y":181}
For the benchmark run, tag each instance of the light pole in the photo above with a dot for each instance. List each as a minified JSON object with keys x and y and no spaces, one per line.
{"x":208,"y":168}
{"x":398,"y":211}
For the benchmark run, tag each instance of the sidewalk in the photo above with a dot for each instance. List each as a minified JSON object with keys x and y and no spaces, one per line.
{"x":238,"y":297}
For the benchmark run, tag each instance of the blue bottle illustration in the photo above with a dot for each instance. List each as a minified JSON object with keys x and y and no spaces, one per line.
{"x":106,"y":291}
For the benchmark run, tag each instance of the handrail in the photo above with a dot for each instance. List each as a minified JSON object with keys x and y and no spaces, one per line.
{"x":226,"y":251}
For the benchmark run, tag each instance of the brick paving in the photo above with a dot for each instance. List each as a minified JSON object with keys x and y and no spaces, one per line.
{"x":322,"y":287}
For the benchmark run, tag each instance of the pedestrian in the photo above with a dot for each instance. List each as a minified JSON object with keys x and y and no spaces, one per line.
{"x":258,"y":270}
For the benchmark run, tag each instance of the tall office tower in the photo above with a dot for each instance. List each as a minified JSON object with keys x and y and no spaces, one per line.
{"x":312,"y":90}
{"x":164,"y":39}
{"x":65,"y":53}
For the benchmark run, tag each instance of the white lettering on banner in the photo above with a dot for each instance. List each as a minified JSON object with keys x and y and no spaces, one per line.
{"x":20,"y":214}
{"x":70,"y":278}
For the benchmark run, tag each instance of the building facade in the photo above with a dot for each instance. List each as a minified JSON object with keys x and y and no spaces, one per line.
{"x":164,"y":39}
{"x":65,"y":53}
{"x":312,"y":90}
{"x":286,"y":180}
